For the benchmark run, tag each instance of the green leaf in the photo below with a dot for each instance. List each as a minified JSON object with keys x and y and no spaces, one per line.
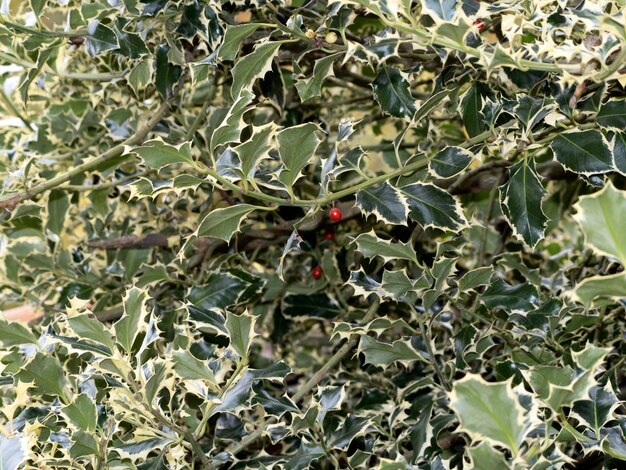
{"x":236,"y":395}
{"x":241,"y":332}
{"x":82,"y":413}
{"x":518,"y":298}
{"x":530,"y":111}
{"x":131,"y":44}
{"x":369,"y":245}
{"x":233,"y":37}
{"x":392,"y":92}
{"x":100,"y":38}
{"x":490,"y":412}
{"x":156,"y":154}
{"x":166,"y":74}
{"x":252,"y":66}
{"x":450,"y":162}
{"x":187,"y":366}
{"x":140,"y":449}
{"x":84,"y":444}
{"x":521,"y":199}
{"x":14,"y":334}
{"x":58,"y":204}
{"x":612,"y":115}
{"x":472,"y":105}
{"x":364,"y":285}
{"x":584,"y":152}
{"x":384,"y":354}
{"x":220,"y":290}
{"x":485,"y":457}
{"x":431,"y":206}
{"x":42,"y":58}
{"x":598,"y":410}
{"x":431,"y":103}
{"x":37,"y":6}
{"x":475,"y":278}
{"x":597,"y":291}
{"x":224,"y":223}
{"x":385,"y":202}
{"x":311,"y":87}
{"x":614,"y":443}
{"x":157,"y":381}
{"x":133,"y":320}
{"x":256,"y":149}
{"x":344,"y":435}
{"x":563,"y":386}
{"x":398,"y":285}
{"x":319,"y":306}
{"x":230,"y":128}
{"x":13,"y":452}
{"x":275,"y":406}
{"x":140,"y":76}
{"x":92,"y":329}
{"x":210,"y":320}
{"x":307,"y":453}
{"x":600,"y":217}
{"x":47,"y":374}
{"x":296,"y":146}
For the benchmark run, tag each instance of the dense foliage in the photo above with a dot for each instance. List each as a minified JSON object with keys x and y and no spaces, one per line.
{"x":169,"y":169}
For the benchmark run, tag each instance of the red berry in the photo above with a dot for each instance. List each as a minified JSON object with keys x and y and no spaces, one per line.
{"x":329,"y":235}
{"x":479,"y":24}
{"x":335,"y":214}
{"x":316,"y":272}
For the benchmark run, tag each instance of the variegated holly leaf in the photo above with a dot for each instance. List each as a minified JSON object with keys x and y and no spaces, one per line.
{"x":369,"y":245}
{"x":612,"y":115}
{"x":597,"y":291}
{"x":490,"y":412}
{"x":349,"y":161}
{"x":583,"y":152}
{"x":385,"y":202}
{"x":600,"y":217}
{"x":241,"y":332}
{"x":223,"y":223}
{"x":133,"y":320}
{"x":521,"y":199}
{"x":229,"y":130}
{"x":563,"y":386}
{"x":156,"y":154}
{"x":431,"y":206}
{"x":393,"y":93}
{"x":220,"y":290}
{"x":510,"y":298}
{"x":450,"y":162}
{"x":255,"y":150}
{"x":598,"y":409}
{"x":384,"y":354}
{"x":296,"y":147}
{"x":233,"y":37}
{"x":311,"y":87}
{"x":364,"y":285}
{"x":253,"y":66}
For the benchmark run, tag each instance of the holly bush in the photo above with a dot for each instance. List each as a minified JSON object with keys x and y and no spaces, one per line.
{"x":329,"y":234}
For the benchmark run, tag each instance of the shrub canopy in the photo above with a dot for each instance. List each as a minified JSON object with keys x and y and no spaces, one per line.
{"x":168,"y":169}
